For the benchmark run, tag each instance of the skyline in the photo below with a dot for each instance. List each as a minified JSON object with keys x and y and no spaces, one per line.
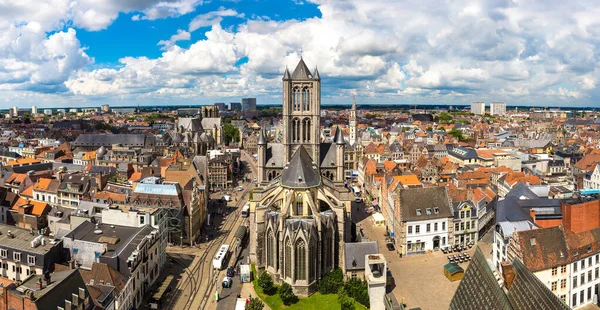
{"x":186,"y":52}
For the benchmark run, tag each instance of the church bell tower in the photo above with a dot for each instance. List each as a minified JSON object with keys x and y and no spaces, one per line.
{"x":301,"y":112}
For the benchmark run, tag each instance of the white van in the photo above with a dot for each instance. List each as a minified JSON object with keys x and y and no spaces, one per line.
{"x":227,"y":198}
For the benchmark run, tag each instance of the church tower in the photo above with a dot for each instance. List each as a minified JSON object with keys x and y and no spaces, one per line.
{"x":301,"y":112}
{"x":352,"y":124}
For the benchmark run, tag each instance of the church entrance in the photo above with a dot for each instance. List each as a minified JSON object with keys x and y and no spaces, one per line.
{"x":436,"y":243}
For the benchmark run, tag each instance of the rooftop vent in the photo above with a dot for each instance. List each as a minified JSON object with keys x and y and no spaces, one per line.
{"x":97,"y":231}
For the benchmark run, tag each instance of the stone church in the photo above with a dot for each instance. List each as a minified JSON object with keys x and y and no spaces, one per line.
{"x":301,"y":210}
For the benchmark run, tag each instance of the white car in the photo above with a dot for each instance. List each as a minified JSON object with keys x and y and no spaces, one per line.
{"x":241,"y":188}
{"x":227,"y":282}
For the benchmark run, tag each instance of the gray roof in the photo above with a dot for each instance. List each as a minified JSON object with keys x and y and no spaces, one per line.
{"x":274,"y":156}
{"x":64,"y":284}
{"x":508,"y":228}
{"x":262,"y":140}
{"x":301,"y":171}
{"x":354,"y":254}
{"x":301,"y":72}
{"x":514,"y":209}
{"x":210,"y":122}
{"x":21,"y":241}
{"x":286,"y":74}
{"x":192,"y":124}
{"x":129,"y":140}
{"x":425,"y":201}
{"x":339,"y":137}
{"x":328,"y":155}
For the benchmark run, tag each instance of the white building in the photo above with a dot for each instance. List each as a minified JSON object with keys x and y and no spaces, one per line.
{"x":105,"y":108}
{"x":498,"y":108}
{"x":425,"y":220}
{"x":502,"y":234}
{"x":48,"y":112}
{"x":593,"y":182}
{"x":478,"y":108}
{"x":34,"y":110}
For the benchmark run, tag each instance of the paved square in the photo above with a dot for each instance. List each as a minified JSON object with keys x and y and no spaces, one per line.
{"x":419,"y":279}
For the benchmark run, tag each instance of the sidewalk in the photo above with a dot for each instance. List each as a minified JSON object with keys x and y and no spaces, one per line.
{"x":248,"y":290}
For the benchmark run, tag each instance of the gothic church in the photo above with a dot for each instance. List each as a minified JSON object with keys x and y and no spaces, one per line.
{"x":300,"y":213}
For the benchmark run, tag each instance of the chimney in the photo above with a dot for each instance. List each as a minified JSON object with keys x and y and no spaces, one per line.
{"x":40,"y":284}
{"x":532,"y":214}
{"x":508,"y":274}
{"x":47,"y":278}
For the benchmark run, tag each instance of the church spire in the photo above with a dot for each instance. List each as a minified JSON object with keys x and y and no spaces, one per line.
{"x":354,"y":102}
{"x":286,"y":75}
{"x":316,"y":74}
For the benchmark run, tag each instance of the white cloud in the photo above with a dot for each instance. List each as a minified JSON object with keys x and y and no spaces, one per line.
{"x":181,"y":35}
{"x":212,"y":18}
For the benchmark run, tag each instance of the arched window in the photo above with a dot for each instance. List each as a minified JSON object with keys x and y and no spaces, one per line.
{"x":297,"y":99}
{"x":299,"y":205}
{"x":307,"y":126}
{"x":305,"y":99}
{"x":288,"y":258}
{"x":270,"y":249}
{"x":300,"y":260}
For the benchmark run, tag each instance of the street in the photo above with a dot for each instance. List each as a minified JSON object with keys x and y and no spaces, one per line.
{"x":198,"y":281}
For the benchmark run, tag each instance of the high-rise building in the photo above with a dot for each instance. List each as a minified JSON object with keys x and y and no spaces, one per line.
{"x":478,"y":108}
{"x":14,"y":111}
{"x":234,"y":106}
{"x":248,"y":104}
{"x":48,"y":112}
{"x":105,"y":108}
{"x":221,"y":106}
{"x":34,"y":110}
{"x":498,"y":108}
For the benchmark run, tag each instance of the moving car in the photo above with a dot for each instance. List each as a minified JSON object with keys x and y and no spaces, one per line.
{"x":230,"y":272}
{"x":227,"y":282}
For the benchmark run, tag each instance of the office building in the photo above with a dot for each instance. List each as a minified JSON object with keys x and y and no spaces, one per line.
{"x":498,"y":108}
{"x":48,"y":112}
{"x":105,"y":108}
{"x":248,"y":104}
{"x":478,"y":108}
{"x":220,"y":105}
{"x":34,"y":110}
{"x":234,"y":106}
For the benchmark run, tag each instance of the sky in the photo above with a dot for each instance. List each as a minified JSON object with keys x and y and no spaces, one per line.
{"x":74,"y":53}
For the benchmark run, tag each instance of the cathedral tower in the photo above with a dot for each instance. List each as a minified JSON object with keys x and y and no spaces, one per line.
{"x":352,"y":124}
{"x":301,"y":111}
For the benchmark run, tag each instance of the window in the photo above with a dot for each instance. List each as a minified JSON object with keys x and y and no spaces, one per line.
{"x":443,"y":225}
{"x":597,"y":274}
{"x":31,"y":260}
{"x":17,"y":256}
{"x":574,"y":281}
{"x":299,"y":205}
{"x":288,"y":259}
{"x":563,"y":269}
{"x":437,"y":211}
{"x":410,"y":229}
{"x":418,"y":212}
{"x":300,"y":260}
{"x":3,"y":253}
{"x":589,"y":293}
{"x":574,"y":266}
{"x":462,"y":226}
{"x":417,"y":229}
{"x":563,"y":283}
{"x":468,"y":225}
{"x":574,"y":300}
{"x":563,"y":298}
{"x":582,"y":264}
{"x":142,"y":220}
{"x":462,"y":214}
{"x":582,"y":279}
{"x":590,"y":261}
{"x":428,"y":227}
{"x":590,"y":276}
{"x":428,"y":211}
{"x":554,"y":286}
{"x":456,"y":227}
{"x":597,"y":258}
{"x":581,"y":296}
{"x":435,"y":227}
{"x":554,"y":271}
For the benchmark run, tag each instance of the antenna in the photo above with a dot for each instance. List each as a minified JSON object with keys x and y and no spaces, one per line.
{"x":301,"y":52}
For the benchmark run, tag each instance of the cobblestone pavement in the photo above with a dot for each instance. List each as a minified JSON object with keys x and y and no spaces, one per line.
{"x":419,"y":279}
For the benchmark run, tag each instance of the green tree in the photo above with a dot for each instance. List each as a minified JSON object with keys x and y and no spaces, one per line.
{"x":230,"y":133}
{"x":331,"y":282}
{"x":457,"y":134}
{"x":358,"y":290}
{"x":443,"y":118}
{"x":346,"y":302}
{"x":287,"y":294}
{"x":265,"y":281}
{"x":255,"y":304}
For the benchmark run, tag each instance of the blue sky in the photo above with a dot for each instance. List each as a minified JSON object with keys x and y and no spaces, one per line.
{"x":62,"y":53}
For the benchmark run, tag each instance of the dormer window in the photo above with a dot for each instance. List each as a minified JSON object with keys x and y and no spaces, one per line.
{"x":428,"y":211}
{"x":418,"y":212}
{"x":436,"y":210}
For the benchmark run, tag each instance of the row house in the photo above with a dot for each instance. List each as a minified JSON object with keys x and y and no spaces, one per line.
{"x":72,"y":189}
{"x":46,"y":190}
{"x":423,"y":220}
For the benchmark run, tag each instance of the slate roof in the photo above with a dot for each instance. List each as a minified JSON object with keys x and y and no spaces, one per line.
{"x":479,"y":290}
{"x":463,"y":153}
{"x":300,"y":172}
{"x":415,"y":200}
{"x":301,"y":72}
{"x":514,"y":209}
{"x":328,"y":155}
{"x":64,"y":284}
{"x":128,"y":140}
{"x":354,"y":254}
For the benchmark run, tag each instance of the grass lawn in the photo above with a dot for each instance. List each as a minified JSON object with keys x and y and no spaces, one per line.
{"x":315,"y":302}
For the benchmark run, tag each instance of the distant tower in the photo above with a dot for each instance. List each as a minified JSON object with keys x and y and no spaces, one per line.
{"x":34,"y":110}
{"x":353,"y":122}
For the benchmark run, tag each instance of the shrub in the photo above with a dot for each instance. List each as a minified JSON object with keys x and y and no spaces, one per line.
{"x":265,"y":281}
{"x":346,"y":302}
{"x":287,"y":294}
{"x":255,"y":304}
{"x":331,"y":282}
{"x":358,"y":290}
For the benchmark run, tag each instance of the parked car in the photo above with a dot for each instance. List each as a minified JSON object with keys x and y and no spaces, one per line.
{"x":230,"y":272}
{"x":227,"y":282}
{"x":390,"y":246}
